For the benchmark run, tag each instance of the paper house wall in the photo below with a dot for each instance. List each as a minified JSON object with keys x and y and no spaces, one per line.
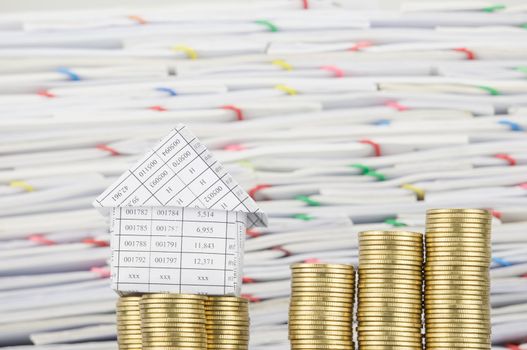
{"x":178,"y":221}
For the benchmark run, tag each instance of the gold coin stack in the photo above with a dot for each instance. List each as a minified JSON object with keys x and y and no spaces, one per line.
{"x":173,"y":321}
{"x":129,"y":323}
{"x":457,"y":284}
{"x":390,"y":290}
{"x":227,"y":323}
{"x":321,"y":307}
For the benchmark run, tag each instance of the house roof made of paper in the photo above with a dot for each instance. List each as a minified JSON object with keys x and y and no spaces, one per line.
{"x":180,"y":172}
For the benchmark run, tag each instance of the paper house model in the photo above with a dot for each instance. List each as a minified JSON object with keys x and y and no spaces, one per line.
{"x":178,"y":221}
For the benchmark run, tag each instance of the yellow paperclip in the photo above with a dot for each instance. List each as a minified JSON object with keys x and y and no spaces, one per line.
{"x":419,"y":192}
{"x":286,"y":89}
{"x":22,"y":184}
{"x":283,"y":64}
{"x":190,"y":52}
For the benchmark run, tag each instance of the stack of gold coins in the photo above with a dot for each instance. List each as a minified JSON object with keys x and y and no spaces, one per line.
{"x":390,"y":290}
{"x":458,"y":257}
{"x":129,"y":323}
{"x":321,"y":307}
{"x":173,"y":321}
{"x":227,"y":323}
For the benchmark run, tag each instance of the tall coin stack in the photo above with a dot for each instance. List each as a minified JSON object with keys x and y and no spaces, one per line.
{"x":129,"y":323}
{"x":390,"y":290}
{"x":457,"y":284}
{"x":227,"y":323}
{"x":321,"y":307}
{"x":173,"y":321}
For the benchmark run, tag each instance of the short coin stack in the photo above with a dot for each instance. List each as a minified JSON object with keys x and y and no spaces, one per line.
{"x":321,"y":308}
{"x":458,"y":256}
{"x":129,"y":323}
{"x":390,"y":290}
{"x":173,"y":321}
{"x":227,"y":323}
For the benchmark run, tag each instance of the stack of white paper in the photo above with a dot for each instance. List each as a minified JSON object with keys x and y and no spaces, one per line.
{"x":335,"y":120}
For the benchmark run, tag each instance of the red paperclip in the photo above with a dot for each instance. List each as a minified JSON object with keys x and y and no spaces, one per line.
{"x":375,"y":145}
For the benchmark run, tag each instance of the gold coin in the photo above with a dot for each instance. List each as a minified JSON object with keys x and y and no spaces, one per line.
{"x":395,"y":343}
{"x":226,"y":305}
{"x":465,"y":222}
{"x":387,"y":233}
{"x":389,"y":324}
{"x":389,"y":247}
{"x":175,"y":318}
{"x":233,"y":315}
{"x":412,"y":334}
{"x":470,"y":234}
{"x":347,"y":276}
{"x":165,"y":347}
{"x":327,"y":322}
{"x":383,"y":310}
{"x":462,"y":218}
{"x":466,"y":238}
{"x":220,"y":298}
{"x":324,"y":280}
{"x":456,"y":297}
{"x":240,"y":310}
{"x":322,"y":342}
{"x":367,"y":288}
{"x":457,"y":259}
{"x":394,"y":347}
{"x":177,"y":345}
{"x":320,"y":332}
{"x":389,"y":295}
{"x":407,"y":252}
{"x":129,"y":298}
{"x":309,"y":346}
{"x":456,"y":274}
{"x":390,"y":337}
{"x":172,"y":305}
{"x":320,"y":327}
{"x":433,"y":268}
{"x":314,"y":283}
{"x":373,"y":286}
{"x":390,"y":273}
{"x":222,"y":342}
{"x":386,"y":254}
{"x":448,"y":343}
{"x":321,"y":303}
{"x":390,"y":318}
{"x":370,"y":245}
{"x":458,"y":253}
{"x":321,"y":313}
{"x":456,"y":332}
{"x":464,"y":211}
{"x":181,"y":315}
{"x":173,"y":296}
{"x":322,"y":266}
{"x":415,"y":304}
{"x":308,"y":297}
{"x":228,"y":336}
{"x":400,"y":268}
{"x":389,"y":280}
{"x":457,"y":244}
{"x":302,"y":273}
{"x":376,"y":312}
{"x":447,"y":318}
{"x":390,"y":240}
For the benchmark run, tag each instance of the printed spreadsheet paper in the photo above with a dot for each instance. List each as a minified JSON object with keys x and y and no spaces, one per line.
{"x":177,"y":250}
{"x":178,"y":221}
{"x":180,"y":172}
